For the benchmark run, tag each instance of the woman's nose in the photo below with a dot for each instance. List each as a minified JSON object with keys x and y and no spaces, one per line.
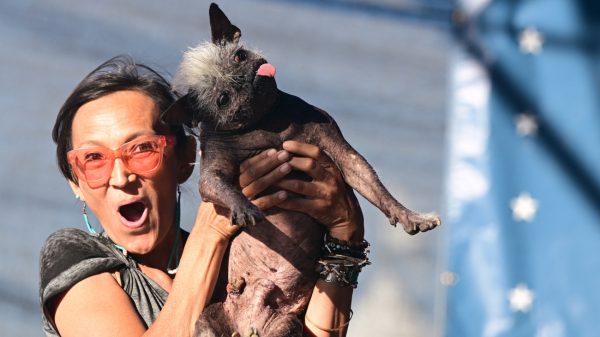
{"x":120,"y":175}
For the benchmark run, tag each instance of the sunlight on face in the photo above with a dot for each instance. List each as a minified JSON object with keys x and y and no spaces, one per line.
{"x":136,"y":212}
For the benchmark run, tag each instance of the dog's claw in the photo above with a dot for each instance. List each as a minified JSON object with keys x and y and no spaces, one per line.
{"x":246,"y":215}
{"x":414,"y":223}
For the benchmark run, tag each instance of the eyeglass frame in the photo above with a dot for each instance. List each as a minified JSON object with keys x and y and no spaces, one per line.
{"x":164,"y":141}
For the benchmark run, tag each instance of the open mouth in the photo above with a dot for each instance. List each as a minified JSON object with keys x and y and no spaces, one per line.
{"x":134,"y":214}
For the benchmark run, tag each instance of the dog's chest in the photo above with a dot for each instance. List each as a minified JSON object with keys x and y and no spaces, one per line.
{"x":251,"y":142}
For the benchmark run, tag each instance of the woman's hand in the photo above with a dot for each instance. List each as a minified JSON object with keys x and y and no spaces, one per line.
{"x":326,"y":197}
{"x":256,"y":174}
{"x":261,"y":172}
{"x":216,"y":219}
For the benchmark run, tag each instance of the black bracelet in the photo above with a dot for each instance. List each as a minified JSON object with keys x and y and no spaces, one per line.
{"x":359,"y":250}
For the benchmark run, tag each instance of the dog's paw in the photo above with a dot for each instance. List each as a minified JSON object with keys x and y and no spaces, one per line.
{"x":414,"y":223}
{"x":246,"y":215}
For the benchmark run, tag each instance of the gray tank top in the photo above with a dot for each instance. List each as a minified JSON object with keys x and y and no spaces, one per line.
{"x":70,"y":255}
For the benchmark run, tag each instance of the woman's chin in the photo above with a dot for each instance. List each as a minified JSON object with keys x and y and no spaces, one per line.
{"x":138,"y":235}
{"x":139,"y":248}
{"x":139,"y":242}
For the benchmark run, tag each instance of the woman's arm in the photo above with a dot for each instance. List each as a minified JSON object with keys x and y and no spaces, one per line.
{"x":333,"y":204}
{"x":198,"y":271}
{"x":329,"y":309}
{"x":201,"y":261}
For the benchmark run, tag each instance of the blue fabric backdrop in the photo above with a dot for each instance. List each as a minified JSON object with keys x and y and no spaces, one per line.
{"x":538,"y":62}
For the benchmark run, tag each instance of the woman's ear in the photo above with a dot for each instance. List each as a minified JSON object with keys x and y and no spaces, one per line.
{"x":76,"y":190}
{"x":186,"y":164}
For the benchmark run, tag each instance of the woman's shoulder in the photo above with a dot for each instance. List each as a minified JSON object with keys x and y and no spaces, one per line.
{"x":72,"y":238}
{"x":70,"y":255}
{"x":68,"y":238}
{"x":70,"y":245}
{"x":67,"y":257}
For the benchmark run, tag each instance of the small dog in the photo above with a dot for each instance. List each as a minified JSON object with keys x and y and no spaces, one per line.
{"x":231,"y":93}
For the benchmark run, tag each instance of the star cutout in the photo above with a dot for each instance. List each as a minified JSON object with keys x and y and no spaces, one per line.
{"x":524,"y":207}
{"x":527,"y":124}
{"x":521,"y":298}
{"x":531,"y":41}
{"x":448,"y":278}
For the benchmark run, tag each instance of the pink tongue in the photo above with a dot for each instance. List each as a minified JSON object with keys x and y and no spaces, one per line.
{"x":266,"y":70}
{"x":132,"y":212}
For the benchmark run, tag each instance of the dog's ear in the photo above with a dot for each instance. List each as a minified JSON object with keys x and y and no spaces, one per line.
{"x":221,"y":28}
{"x":179,"y":113}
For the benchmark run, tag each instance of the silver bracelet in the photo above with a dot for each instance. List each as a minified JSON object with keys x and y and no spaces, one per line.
{"x":341,"y":269}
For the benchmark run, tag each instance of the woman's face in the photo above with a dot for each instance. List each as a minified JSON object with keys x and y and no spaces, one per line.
{"x":136,"y":211}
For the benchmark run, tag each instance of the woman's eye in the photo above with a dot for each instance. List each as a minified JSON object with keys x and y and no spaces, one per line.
{"x":223,"y":100}
{"x":240,"y":56}
{"x":144,"y":147}
{"x":93,"y":156}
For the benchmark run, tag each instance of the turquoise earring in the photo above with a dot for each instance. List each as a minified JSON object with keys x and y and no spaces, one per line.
{"x":87,"y":221}
{"x":91,"y":229}
{"x":85,"y":217}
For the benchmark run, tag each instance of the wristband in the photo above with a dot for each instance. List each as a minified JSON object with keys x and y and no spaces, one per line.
{"x":359,"y":250}
{"x":340,"y":269}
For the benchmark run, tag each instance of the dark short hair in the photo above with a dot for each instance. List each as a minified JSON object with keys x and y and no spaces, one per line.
{"x":118,"y":73}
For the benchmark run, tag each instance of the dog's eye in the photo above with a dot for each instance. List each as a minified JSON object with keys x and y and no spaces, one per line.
{"x":223,"y":100}
{"x":240,"y":56}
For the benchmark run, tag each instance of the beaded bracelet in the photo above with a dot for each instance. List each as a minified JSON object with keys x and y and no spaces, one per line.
{"x":335,"y":246}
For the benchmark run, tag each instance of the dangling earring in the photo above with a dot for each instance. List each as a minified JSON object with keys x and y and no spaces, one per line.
{"x":91,"y":229}
{"x":175,"y":249}
{"x":85,"y":217}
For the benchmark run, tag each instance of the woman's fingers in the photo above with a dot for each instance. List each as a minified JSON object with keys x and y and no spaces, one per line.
{"x":315,"y":163}
{"x":307,"y":189}
{"x":270,"y":200}
{"x":257,"y":185}
{"x":304,"y":149}
{"x":255,"y":159}
{"x":307,"y":206}
{"x":261,"y":164}
{"x":309,"y":166}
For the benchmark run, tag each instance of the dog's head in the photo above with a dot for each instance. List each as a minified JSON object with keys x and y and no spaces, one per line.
{"x":224,"y":84}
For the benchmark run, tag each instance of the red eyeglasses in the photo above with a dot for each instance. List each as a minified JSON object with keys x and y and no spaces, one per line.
{"x":141,"y":156}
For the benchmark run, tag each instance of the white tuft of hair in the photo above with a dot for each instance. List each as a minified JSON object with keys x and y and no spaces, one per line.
{"x":202,"y":67}
{"x":199,"y":69}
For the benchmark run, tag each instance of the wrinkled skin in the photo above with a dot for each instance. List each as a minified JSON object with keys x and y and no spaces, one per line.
{"x":275,"y":258}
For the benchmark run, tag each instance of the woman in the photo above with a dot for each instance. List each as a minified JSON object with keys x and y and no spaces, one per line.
{"x":125,"y":166}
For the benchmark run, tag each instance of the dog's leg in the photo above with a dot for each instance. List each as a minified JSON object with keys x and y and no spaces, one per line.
{"x":359,"y":174}
{"x":218,"y":185}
